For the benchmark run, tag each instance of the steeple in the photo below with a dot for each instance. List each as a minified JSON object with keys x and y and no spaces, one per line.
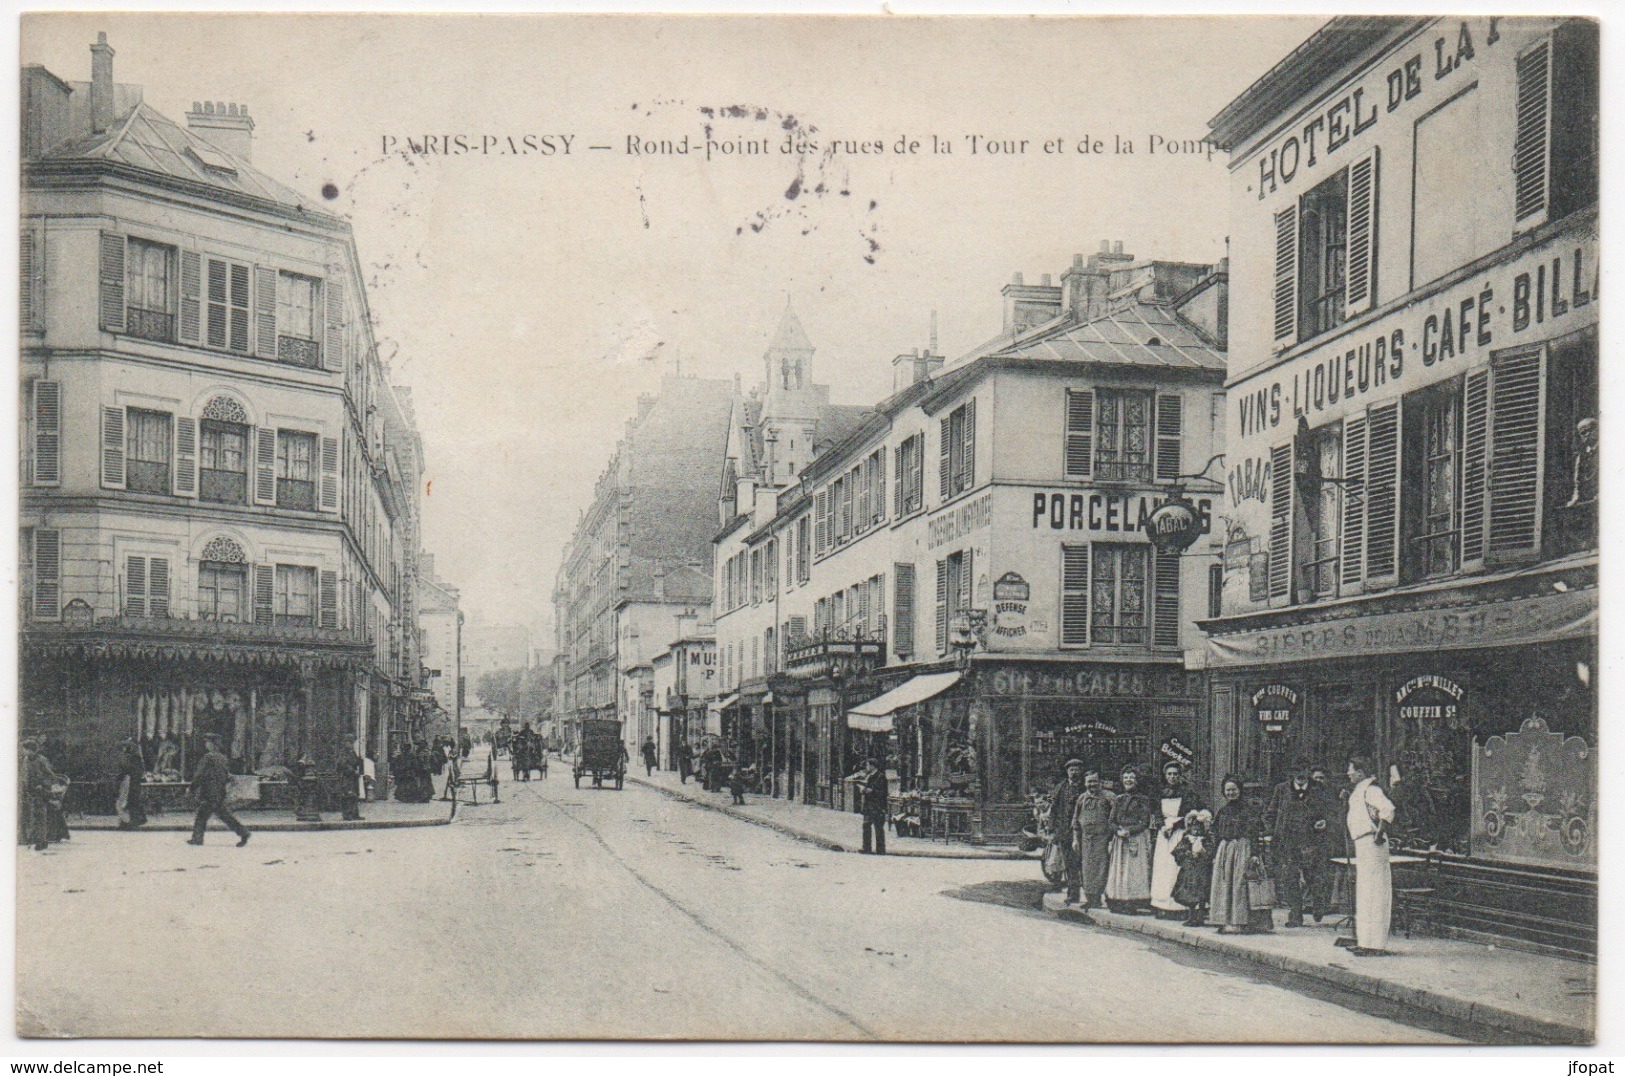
{"x":789,"y":356}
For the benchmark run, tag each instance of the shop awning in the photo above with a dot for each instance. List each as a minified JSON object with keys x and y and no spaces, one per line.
{"x":719,"y":705}
{"x":876,"y":714}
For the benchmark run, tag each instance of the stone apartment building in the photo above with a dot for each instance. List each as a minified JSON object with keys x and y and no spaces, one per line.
{"x":219,"y":483}
{"x":440,"y":617}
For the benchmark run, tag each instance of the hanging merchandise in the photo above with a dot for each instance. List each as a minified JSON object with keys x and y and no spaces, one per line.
{"x":191,"y":714}
{"x":149,"y":711}
{"x":135,"y":706}
{"x":163,"y":715}
{"x":177,"y":712}
{"x":238,"y":734}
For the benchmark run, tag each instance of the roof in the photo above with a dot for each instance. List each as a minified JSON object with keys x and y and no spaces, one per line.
{"x":1138,"y":334}
{"x":790,"y":335}
{"x":837,"y":422}
{"x":145,"y":138}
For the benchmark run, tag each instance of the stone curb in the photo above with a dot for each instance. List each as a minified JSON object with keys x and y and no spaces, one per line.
{"x":268,"y":827}
{"x":1455,"y":1008}
{"x":810,"y":837}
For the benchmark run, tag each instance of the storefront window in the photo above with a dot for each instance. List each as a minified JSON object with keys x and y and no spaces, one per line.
{"x":1104,"y":736}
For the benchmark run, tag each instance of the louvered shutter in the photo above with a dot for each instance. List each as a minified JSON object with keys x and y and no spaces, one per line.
{"x":1531,"y":149}
{"x":47,"y":574}
{"x":967,"y":457}
{"x":191,"y":299}
{"x":880,"y":485}
{"x":31,"y":279}
{"x":333,"y":346}
{"x":1382,"y":496}
{"x":239,"y":307}
{"x":897,"y":482}
{"x":967,"y":580}
{"x":1475,"y":428}
{"x":903,"y":609}
{"x":264,"y":465}
{"x":113,"y":469}
{"x":158,"y":587}
{"x":1351,"y":553}
{"x":1361,"y":276}
{"x":1080,"y":433}
{"x":1074,"y":595}
{"x":1165,"y":600}
{"x":1286,"y":276}
{"x":1517,"y":408}
{"x":861,"y":517}
{"x":265,"y":345}
{"x":944,"y":477}
{"x":218,"y":296}
{"x":1170,"y":436}
{"x":264,"y":586}
{"x":820,"y":512}
{"x":330,"y":474}
{"x":328,"y":600}
{"x":47,"y":433}
{"x":942,"y":606}
{"x":1281,"y":521}
{"x":112,"y":282}
{"x":135,"y":586}
{"x":185,"y":469}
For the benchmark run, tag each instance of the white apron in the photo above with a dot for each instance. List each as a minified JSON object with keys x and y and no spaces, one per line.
{"x":1164,"y":871}
{"x":1373,"y":893}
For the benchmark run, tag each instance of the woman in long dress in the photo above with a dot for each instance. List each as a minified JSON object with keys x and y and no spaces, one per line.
{"x":1236,"y":827}
{"x":1175,"y":801}
{"x":1128,"y":880}
{"x":132,"y":807}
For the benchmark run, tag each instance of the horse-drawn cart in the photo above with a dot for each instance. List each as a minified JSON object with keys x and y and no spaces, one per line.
{"x":600,"y":753}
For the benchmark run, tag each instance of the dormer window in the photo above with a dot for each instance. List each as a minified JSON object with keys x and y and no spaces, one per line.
{"x":212,"y":159}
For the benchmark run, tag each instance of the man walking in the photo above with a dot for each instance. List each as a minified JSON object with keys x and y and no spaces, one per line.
{"x":648,"y":751}
{"x":210,"y":785}
{"x":1062,"y":803}
{"x":1370,"y":814}
{"x":1297,"y":820}
{"x":685,"y":761}
{"x":352,"y":771}
{"x":1093,"y":822}
{"x":874,"y":792}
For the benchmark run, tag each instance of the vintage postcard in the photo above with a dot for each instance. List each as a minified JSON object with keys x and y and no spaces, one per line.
{"x":963,"y":529}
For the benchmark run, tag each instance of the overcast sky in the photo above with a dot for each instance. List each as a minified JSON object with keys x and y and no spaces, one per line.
{"x":528,"y":300}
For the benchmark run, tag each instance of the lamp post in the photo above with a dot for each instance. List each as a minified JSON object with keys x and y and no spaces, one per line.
{"x":968,"y":631}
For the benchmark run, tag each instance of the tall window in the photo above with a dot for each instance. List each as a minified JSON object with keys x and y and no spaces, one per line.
{"x":910,"y":494}
{"x":149,"y":269}
{"x":149,"y":445}
{"x":1323,"y":255}
{"x":1431,"y":460}
{"x":957,"y":467}
{"x":224,"y":459}
{"x":1123,"y":435}
{"x":1120,"y":594}
{"x":1323,"y":510}
{"x":294,"y":597}
{"x":222,"y":591}
{"x":296,"y":319}
{"x":226,"y":305}
{"x":295,"y":470}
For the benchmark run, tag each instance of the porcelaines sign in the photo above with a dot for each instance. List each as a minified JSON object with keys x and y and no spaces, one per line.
{"x":1108,"y":513}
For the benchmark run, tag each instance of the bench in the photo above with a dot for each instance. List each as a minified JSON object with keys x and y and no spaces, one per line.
{"x":456,"y":782}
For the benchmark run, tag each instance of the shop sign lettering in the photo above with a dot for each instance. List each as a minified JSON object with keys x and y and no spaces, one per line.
{"x":960,"y":521}
{"x":1108,"y":513}
{"x":1274,"y":704}
{"x":1010,"y":596}
{"x":1097,"y":682}
{"x":1431,"y":699}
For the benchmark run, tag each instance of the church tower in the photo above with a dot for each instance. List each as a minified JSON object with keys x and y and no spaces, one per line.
{"x":791,"y":403}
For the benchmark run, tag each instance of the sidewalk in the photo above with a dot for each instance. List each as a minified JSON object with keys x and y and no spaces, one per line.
{"x":1525,"y":994}
{"x":384,"y":814}
{"x":838,"y":831}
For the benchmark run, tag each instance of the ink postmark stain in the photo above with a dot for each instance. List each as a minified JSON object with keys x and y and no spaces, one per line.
{"x":330,"y":191}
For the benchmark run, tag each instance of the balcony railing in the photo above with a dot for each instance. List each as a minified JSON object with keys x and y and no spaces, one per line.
{"x":281,"y":631}
{"x":296,"y":493}
{"x":298,"y":351}
{"x":150,"y":324}
{"x":140,"y":476}
{"x":223,"y":487}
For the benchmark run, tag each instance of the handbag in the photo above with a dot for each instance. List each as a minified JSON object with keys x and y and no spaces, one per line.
{"x":1054,"y":861}
{"x":1260,"y":886}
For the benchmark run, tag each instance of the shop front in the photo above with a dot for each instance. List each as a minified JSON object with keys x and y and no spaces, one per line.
{"x":1478,"y":705}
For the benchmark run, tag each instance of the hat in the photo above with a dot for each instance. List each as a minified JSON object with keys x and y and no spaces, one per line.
{"x":1174,"y":764}
{"x":30,"y":741}
{"x":1071,"y":762}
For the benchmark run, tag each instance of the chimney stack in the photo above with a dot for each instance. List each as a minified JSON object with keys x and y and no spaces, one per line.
{"x":101,"y":84}
{"x":228,"y":127}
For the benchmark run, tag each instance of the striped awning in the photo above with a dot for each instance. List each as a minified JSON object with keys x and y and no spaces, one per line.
{"x":876,"y":714}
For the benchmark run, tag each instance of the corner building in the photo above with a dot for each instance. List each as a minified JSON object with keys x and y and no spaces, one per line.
{"x":1410,"y":559}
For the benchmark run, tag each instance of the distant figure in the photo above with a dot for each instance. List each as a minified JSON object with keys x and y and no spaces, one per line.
{"x":465,"y":743}
{"x":738,"y":781}
{"x":685,"y":761}
{"x":352,"y":773}
{"x":132,"y":770}
{"x":35,"y":779}
{"x":210,"y":785}
{"x":874,"y":793}
{"x":648,"y":751}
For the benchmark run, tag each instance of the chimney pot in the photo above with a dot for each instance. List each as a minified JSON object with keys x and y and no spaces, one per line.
{"x":1017,"y":279}
{"x":101,"y":84}
{"x":1117,"y":247}
{"x":1045,"y":280}
{"x":1105,"y":246}
{"x":1077,"y":261}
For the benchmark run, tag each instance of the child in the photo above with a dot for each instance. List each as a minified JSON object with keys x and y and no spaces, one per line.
{"x":738,"y":781}
{"x":1194,"y":854}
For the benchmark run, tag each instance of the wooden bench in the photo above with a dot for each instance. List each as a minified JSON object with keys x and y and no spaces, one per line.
{"x":457,"y":782}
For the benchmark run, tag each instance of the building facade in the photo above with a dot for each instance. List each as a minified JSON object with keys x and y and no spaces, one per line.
{"x":964,"y":584}
{"x":636,"y":566}
{"x":440,"y":618}
{"x":1410,"y":552}
{"x":220,"y":484}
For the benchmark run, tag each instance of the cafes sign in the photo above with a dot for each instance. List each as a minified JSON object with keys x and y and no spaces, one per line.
{"x":1094,"y":682}
{"x":1274,"y":704}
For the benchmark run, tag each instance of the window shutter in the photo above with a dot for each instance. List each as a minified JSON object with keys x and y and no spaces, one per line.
{"x":943,"y":476}
{"x":1074,"y":595}
{"x":1531,"y":149}
{"x":903,"y":609}
{"x":191,"y":313}
{"x":1351,"y":554}
{"x":330,"y":474}
{"x":967,"y":458}
{"x":31,"y":279}
{"x":218,"y":320}
{"x":264,"y":465}
{"x":113,"y":447}
{"x":1080,"y":433}
{"x":1286,"y":276}
{"x":820,"y":522}
{"x":47,"y":574}
{"x":185,"y":470}
{"x":1361,"y":276}
{"x":942,"y":606}
{"x":329,"y":603}
{"x":1170,"y":435}
{"x":135,"y":586}
{"x":1281,"y":513}
{"x":264,"y":582}
{"x":333,"y":346}
{"x":1517,"y":406}
{"x":861,"y":518}
{"x":47,"y":433}
{"x":264,"y":312}
{"x":158,"y":587}
{"x":239,"y":307}
{"x":880,"y":486}
{"x":112,"y":277}
{"x":897,"y":482}
{"x":967,"y":580}
{"x":1382,"y":496}
{"x":1475,"y":428}
{"x":1165,"y":603}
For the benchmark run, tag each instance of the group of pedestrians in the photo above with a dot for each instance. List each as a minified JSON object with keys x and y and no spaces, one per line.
{"x":1129,"y":852}
{"x":40,"y":795}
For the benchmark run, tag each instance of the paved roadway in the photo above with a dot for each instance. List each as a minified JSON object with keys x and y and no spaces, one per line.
{"x":565,"y":913}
